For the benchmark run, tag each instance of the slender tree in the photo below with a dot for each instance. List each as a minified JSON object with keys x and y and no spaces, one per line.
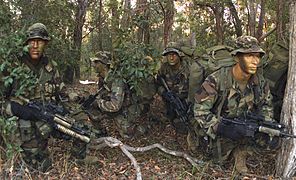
{"x":236,"y":20}
{"x":142,"y":11}
{"x":252,"y":17}
{"x":259,"y":31}
{"x":168,"y":10}
{"x":286,"y":166}
{"x":77,"y":36}
{"x":126,"y":17}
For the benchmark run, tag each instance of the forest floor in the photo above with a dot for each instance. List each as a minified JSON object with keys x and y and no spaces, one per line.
{"x":154,"y":164}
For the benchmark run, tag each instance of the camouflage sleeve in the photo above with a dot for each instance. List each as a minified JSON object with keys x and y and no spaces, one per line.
{"x":204,"y":102}
{"x":159,"y":86}
{"x":116,"y":98}
{"x":267,"y":107}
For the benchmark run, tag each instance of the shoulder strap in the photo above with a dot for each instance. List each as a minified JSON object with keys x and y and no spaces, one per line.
{"x":225,"y":85}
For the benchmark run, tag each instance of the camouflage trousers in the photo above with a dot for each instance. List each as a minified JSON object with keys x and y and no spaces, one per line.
{"x":32,"y":137}
{"x":128,"y":121}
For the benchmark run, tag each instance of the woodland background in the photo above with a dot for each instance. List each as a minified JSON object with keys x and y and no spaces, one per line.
{"x":130,"y":30}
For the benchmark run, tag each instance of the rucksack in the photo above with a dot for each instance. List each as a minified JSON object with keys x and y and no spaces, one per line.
{"x":276,"y":66}
{"x":212,"y":59}
{"x":275,"y":72}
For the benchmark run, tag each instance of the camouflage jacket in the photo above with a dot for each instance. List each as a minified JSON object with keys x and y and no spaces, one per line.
{"x":118,"y":97}
{"x":256,"y":98}
{"x":47,"y":81}
{"x":177,"y":80}
{"x":112,"y":97}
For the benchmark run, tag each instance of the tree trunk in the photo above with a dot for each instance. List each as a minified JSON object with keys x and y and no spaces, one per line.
{"x":143,"y":34}
{"x":219,"y":12}
{"x":237,"y":22}
{"x":169,"y":10}
{"x":126,"y":18}
{"x":80,"y":19}
{"x":252,"y":18}
{"x":286,"y":162}
{"x":261,"y":20}
{"x":115,"y":17}
{"x":281,"y":20}
{"x":146,"y":26}
{"x":100,"y":25}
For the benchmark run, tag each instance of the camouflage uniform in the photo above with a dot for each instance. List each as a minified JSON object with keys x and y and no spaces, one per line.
{"x":32,"y":135}
{"x":177,"y":81}
{"x":222,"y":97}
{"x":119,"y":102}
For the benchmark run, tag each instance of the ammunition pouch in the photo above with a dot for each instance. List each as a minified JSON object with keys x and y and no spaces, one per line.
{"x":44,"y":129}
{"x":26,"y":130}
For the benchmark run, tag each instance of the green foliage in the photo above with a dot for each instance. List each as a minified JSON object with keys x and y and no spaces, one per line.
{"x":11,"y":71}
{"x":132,"y":64}
{"x":8,"y":129}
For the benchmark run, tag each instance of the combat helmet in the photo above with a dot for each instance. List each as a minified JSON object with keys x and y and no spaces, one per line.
{"x":247,"y":44}
{"x":103,"y":57}
{"x":173,"y":47}
{"x":37,"y":30}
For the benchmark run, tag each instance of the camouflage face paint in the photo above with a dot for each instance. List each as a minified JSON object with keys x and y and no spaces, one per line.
{"x":36,"y":48}
{"x":173,"y":59}
{"x":249,"y":62}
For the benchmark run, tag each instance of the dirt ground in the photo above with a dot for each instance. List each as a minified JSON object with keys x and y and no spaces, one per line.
{"x":154,"y":164}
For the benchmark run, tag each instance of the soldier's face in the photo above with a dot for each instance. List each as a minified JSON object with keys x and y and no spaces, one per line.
{"x":173,"y":58}
{"x":101,"y":69}
{"x":36,"y":48}
{"x":249,"y":62}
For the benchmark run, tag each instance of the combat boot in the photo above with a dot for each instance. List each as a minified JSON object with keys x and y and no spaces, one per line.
{"x":240,"y":157}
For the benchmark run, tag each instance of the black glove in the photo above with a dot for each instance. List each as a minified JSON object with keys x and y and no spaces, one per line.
{"x":231,"y":131}
{"x":21,"y":111}
{"x":167,"y":96}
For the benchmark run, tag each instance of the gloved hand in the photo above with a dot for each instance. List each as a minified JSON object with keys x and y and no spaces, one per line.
{"x":231,"y":131}
{"x":21,"y":111}
{"x":167,"y":96}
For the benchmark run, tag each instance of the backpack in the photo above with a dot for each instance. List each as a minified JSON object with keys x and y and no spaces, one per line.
{"x":275,"y":72}
{"x":212,"y":59}
{"x":276,"y":66}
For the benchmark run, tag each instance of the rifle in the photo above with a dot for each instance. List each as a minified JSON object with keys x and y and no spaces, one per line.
{"x":181,"y":109}
{"x":48,"y":113}
{"x":249,"y":125}
{"x":91,"y":98}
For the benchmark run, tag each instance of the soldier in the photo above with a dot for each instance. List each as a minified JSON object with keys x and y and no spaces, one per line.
{"x":230,"y":92}
{"x":118,"y":101}
{"x":175,"y":71}
{"x":32,"y":135}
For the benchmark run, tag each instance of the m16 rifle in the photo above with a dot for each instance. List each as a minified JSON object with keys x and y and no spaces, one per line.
{"x":181,"y":109}
{"x":54,"y":116}
{"x":249,"y":125}
{"x":91,"y":98}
